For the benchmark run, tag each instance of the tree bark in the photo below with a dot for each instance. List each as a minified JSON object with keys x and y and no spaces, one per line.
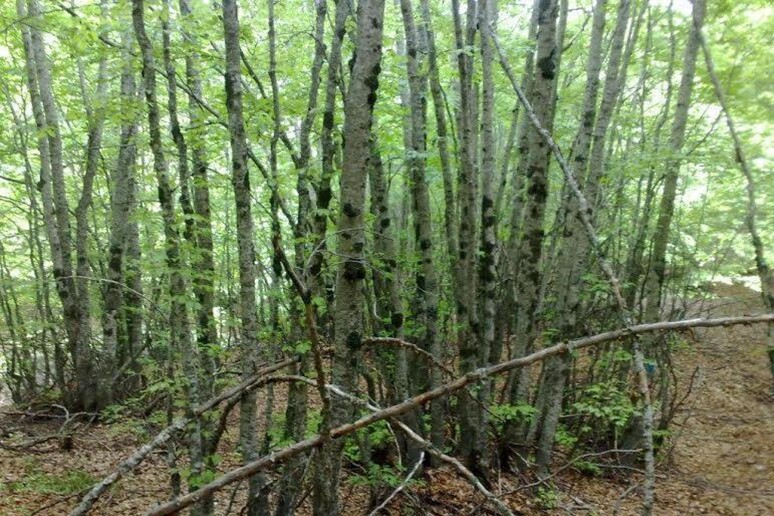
{"x":296,"y":409}
{"x":575,"y":245}
{"x":426,"y":275}
{"x":323,"y":188}
{"x":349,"y":306}
{"x":478,"y":457}
{"x":528,"y":278}
{"x":662,"y":231}
{"x":240,"y":180}
{"x":55,"y":205}
{"x":180,"y":331}
{"x":197,"y":446}
{"x":114,"y":335}
{"x":442,"y":135}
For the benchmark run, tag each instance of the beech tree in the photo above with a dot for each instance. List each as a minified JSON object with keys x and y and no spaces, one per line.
{"x":360,"y":229}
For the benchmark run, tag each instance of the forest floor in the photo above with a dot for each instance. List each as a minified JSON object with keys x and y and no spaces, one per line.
{"x":719,"y":460}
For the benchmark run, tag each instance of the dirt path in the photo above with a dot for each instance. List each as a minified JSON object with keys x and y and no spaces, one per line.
{"x":722,"y":456}
{"x":725,"y":447}
{"x":721,"y":463}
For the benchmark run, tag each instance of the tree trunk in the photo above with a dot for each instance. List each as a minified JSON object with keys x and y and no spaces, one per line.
{"x":442,"y":136}
{"x":528,"y":278}
{"x":247,"y":301}
{"x":575,"y":244}
{"x":464,"y":273}
{"x":422,"y":377}
{"x":114,"y":337}
{"x":296,"y":410}
{"x":180,"y":331}
{"x":55,"y":206}
{"x":96,"y":123}
{"x":323,"y":188}
{"x":478,"y":460}
{"x":764,"y":271}
{"x":662,"y":231}
{"x":349,"y":307}
{"x":197,"y":447}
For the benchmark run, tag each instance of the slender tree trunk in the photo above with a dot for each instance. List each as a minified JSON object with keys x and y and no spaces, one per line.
{"x":574,"y":247}
{"x":388,"y":301}
{"x":464,"y":277}
{"x":21,"y":370}
{"x":522,"y":147}
{"x":203,"y":281}
{"x":636,"y":264}
{"x":296,"y":410}
{"x":764,"y":271}
{"x":512,"y":258}
{"x":113,"y":334}
{"x":328,"y":143}
{"x":349,"y":307}
{"x":132,"y":316}
{"x":37,"y":255}
{"x":197,"y":447}
{"x":426,"y":275}
{"x":614,"y":81}
{"x":247,"y":296}
{"x":55,"y":206}
{"x":662,"y":231}
{"x":528,"y":278}
{"x":386,"y":286}
{"x":202,"y":259}
{"x":442,"y":136}
{"x":96,"y":123}
{"x":180,"y":331}
{"x":478,"y":461}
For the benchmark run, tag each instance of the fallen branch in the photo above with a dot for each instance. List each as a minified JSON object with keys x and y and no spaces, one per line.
{"x":64,"y":435}
{"x":26,"y":445}
{"x":179,"y":424}
{"x":278,"y":456}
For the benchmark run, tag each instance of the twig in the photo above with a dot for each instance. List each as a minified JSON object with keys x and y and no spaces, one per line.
{"x":401,"y":486}
{"x":56,"y":502}
{"x":391,"y":341}
{"x":231,"y":499}
{"x":623,"y":496}
{"x":435,"y":452}
{"x":568,"y":465}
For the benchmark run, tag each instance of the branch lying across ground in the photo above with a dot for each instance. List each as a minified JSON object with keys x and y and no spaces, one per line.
{"x":63,"y":435}
{"x":502,"y":508}
{"x":179,"y":424}
{"x":278,"y":456}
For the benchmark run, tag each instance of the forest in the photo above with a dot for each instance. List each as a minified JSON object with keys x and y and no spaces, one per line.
{"x":371,"y":257}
